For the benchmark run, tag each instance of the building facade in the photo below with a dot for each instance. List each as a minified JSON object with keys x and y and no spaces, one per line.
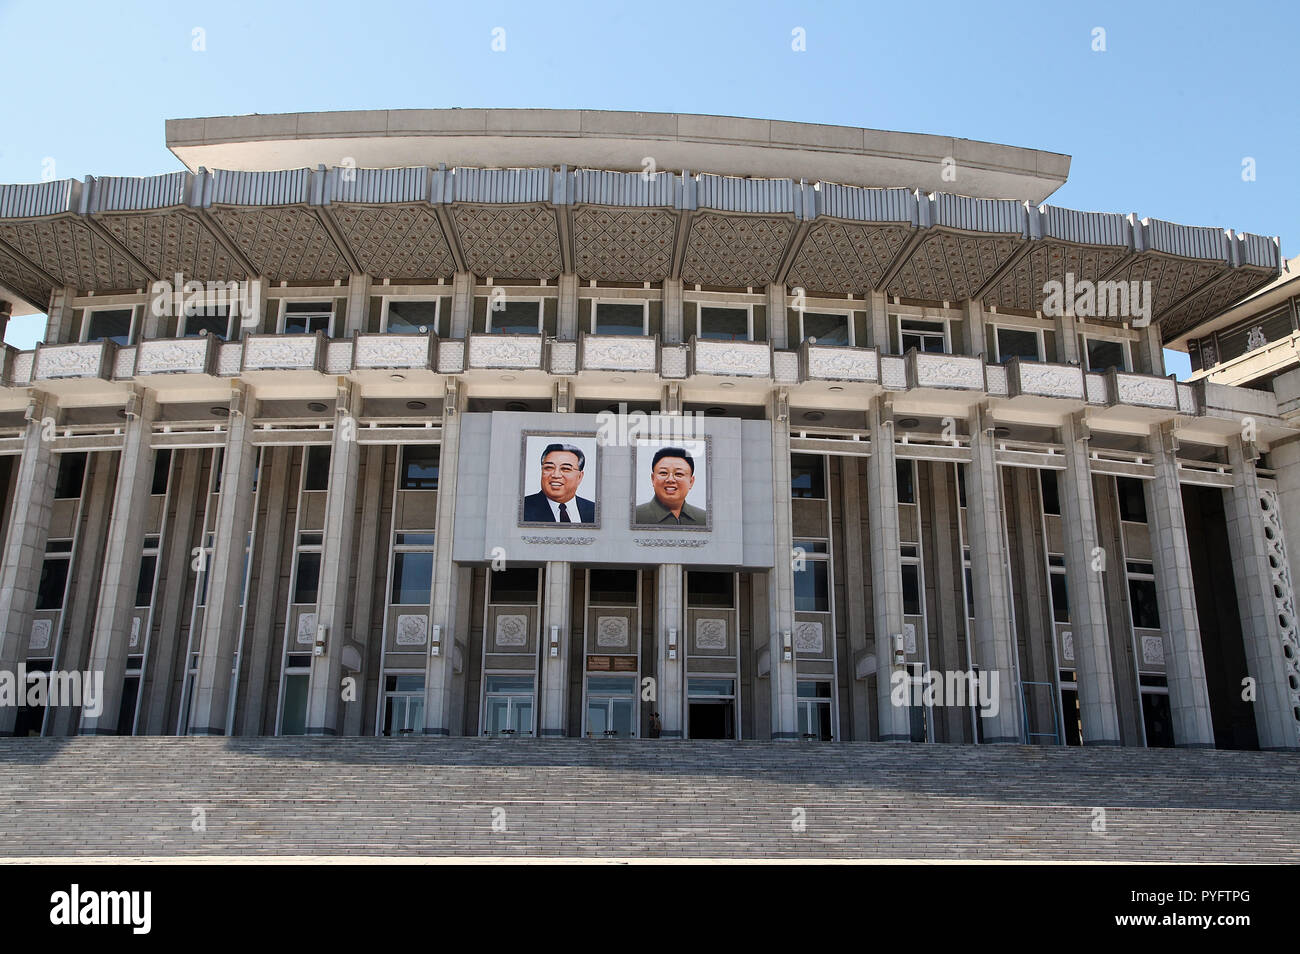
{"x":855,"y":440}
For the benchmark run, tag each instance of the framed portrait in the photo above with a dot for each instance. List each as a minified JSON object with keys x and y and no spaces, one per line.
{"x":559,"y":480}
{"x":671,"y":486}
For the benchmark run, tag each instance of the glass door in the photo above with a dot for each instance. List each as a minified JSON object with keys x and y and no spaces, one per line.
{"x":509,"y":706}
{"x":611,"y":707}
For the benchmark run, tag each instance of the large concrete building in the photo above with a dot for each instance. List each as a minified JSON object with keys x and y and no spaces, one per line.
{"x":827,"y":411}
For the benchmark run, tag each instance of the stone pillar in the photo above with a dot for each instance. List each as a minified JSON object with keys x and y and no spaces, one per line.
{"x":972,"y":327}
{"x":670,"y":688}
{"x":672,"y":329}
{"x":122,"y":557}
{"x":553,"y":692}
{"x":1149,"y":350}
{"x":783,"y":675}
{"x":369,"y":556}
{"x":777,"y":326}
{"x":358,"y":310}
{"x":1067,"y":340}
{"x":951,"y":614}
{"x":995,"y":643}
{"x":886,"y":572}
{"x":58,"y":322}
{"x":24,"y":547}
{"x":222,"y":617}
{"x":855,"y":602}
{"x":261,"y":644}
{"x":566,"y":325}
{"x":440,"y":671}
{"x":1189,"y":697}
{"x":878,"y":322}
{"x":332,"y":600}
{"x":1092,"y":659}
{"x":1258,"y":604}
{"x":6,"y":312}
{"x":254,"y":320}
{"x":462,"y":304}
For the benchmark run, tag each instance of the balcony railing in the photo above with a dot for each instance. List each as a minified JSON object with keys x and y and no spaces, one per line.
{"x":395,"y":351}
{"x":507,"y":352}
{"x":1142,"y":390}
{"x":944,"y":371}
{"x":1040,"y":379}
{"x":284,"y":352}
{"x":88,"y":360}
{"x":177,"y":356}
{"x":827,"y":363}
{"x":619,"y":353}
{"x":749,"y":359}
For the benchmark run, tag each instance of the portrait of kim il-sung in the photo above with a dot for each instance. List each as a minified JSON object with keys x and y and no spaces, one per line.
{"x":672,"y":486}
{"x":560,"y":476}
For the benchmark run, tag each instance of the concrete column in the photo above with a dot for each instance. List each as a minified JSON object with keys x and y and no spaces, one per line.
{"x":58,"y":323}
{"x":122,"y":557}
{"x":440,"y":673}
{"x":1067,"y":340}
{"x":672,"y":329}
{"x":1189,"y":697}
{"x":1257,"y":603}
{"x":1092,"y":658}
{"x":995,"y":644}
{"x":1149,"y":350}
{"x":6,"y":312}
{"x":255,"y":320}
{"x":566,"y":325}
{"x":670,"y":681}
{"x":260,"y":646}
{"x":462,"y":304}
{"x":859,"y":719}
{"x":174,"y":590}
{"x":777,"y":328}
{"x":972,"y":327}
{"x":368,"y":558}
{"x":1285,"y":459}
{"x":886,"y":572}
{"x":354,"y":321}
{"x":783,"y":675}
{"x":222,"y":617}
{"x":24,"y":548}
{"x":951,"y":615}
{"x":332,"y":600}
{"x":553,"y":691}
{"x":878,"y":322}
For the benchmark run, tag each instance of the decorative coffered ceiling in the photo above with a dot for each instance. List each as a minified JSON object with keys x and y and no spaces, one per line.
{"x":623,"y":245}
{"x":735,"y":250}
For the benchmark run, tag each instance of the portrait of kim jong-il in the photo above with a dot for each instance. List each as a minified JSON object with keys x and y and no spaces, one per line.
{"x":671,"y":486}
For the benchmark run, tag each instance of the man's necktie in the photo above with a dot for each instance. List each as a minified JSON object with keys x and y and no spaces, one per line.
{"x":564,"y":515}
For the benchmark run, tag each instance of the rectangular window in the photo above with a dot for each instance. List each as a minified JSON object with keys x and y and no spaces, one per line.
{"x":403,"y":704}
{"x":612,"y":587}
{"x":415,"y":539}
{"x":306,"y":583}
{"x":808,"y":476}
{"x":412,"y":578}
{"x":724,"y":324}
{"x":112,"y":324}
{"x":1018,"y":343}
{"x":906,"y":484}
{"x":619,"y":318}
{"x":406,"y":316}
{"x":828,"y":329}
{"x":926,"y":336}
{"x":72,"y":474}
{"x":1060,"y":598}
{"x":1104,"y":354}
{"x":911,"y":589}
{"x":316,"y":463}
{"x":162,"y":465}
{"x":420,"y":466}
{"x":710,"y":590}
{"x":970,"y":594}
{"x":54,"y":581}
{"x":514,"y":585}
{"x":1142,"y":600}
{"x":1047,"y":481}
{"x":514,"y":317}
{"x":812,"y":588}
{"x":1132,"y":499}
{"x":307,"y":317}
{"x":208,"y":320}
{"x":144,"y":582}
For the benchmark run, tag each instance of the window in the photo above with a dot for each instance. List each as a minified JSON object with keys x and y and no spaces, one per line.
{"x":828,"y":329}
{"x":808,"y":476}
{"x":1060,"y":589}
{"x":812,"y":586}
{"x":404,"y":704}
{"x":306,"y":582}
{"x":514,"y":585}
{"x":1142,"y":595}
{"x":508,"y":705}
{"x":316,"y":468}
{"x":507,"y":317}
{"x":112,"y":324}
{"x":1048,"y":483}
{"x":412,"y":577}
{"x":72,"y":473}
{"x":410,"y":316}
{"x":1019,"y":343}
{"x":148,"y":569}
{"x":208,"y":319}
{"x":723,"y":324}
{"x":911,"y":589}
{"x":620,"y":318}
{"x":162,"y":465}
{"x":961,"y":485}
{"x":925,"y":336}
{"x":1132,"y":499}
{"x":904,"y":474}
{"x":711,"y":590}
{"x":307,"y":317}
{"x":1106,"y":353}
{"x":612,"y":587}
{"x":54,"y":575}
{"x":420,"y":466}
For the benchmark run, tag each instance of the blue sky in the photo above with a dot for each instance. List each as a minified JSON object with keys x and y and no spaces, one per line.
{"x":1158,"y":124}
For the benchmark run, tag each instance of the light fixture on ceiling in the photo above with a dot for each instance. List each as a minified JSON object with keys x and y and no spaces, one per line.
{"x":507,"y":377}
{"x":715,"y":411}
{"x":219,"y":411}
{"x":317,"y":406}
{"x":1001,"y":431}
{"x":415,"y":405}
{"x":727,"y":384}
{"x":516,"y":406}
{"x":617,"y":380}
{"x":909,"y":422}
{"x":835,"y":387}
{"x":397,"y":377}
{"x":813,"y":415}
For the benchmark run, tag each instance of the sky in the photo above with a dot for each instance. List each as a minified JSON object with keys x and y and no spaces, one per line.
{"x":1182,"y":111}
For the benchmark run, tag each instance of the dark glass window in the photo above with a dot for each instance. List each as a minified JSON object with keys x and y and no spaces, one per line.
{"x":808,"y":476}
{"x":72,"y":473}
{"x":115,"y":325}
{"x":144,"y":582}
{"x":906,"y":483}
{"x":514,"y":317}
{"x":420,"y":466}
{"x":412,"y":577}
{"x":307,"y":317}
{"x":1060,"y":598}
{"x":970,"y":594}
{"x":924,"y":336}
{"x":612,"y":587}
{"x":317,"y":463}
{"x":911,"y":589}
{"x":1142,"y":597}
{"x":1017,"y":343}
{"x":710,"y":589}
{"x":514,"y":585}
{"x":307,"y":582}
{"x":961,"y":484}
{"x":1132,"y":499}
{"x":211,"y":319}
{"x":162,"y":464}
{"x":812,"y":588}
{"x":1104,"y":355}
{"x":411,"y":316}
{"x":54,"y":581}
{"x":620,"y":318}
{"x":827,"y":329}
{"x":724,"y":324}
{"x":1047,"y":480}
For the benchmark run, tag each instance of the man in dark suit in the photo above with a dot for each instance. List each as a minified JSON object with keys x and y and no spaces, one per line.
{"x":557,"y":501}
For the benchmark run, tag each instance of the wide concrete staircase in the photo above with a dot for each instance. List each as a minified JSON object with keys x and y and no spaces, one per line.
{"x":135,"y":797}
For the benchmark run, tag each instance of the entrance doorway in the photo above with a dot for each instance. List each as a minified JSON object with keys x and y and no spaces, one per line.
{"x":711,"y":708}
